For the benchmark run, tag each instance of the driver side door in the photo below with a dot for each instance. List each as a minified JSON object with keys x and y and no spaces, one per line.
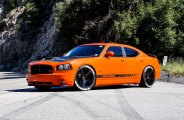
{"x":113,"y":67}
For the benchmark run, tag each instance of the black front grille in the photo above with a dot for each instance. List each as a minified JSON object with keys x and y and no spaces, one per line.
{"x":41,"y":69}
{"x":40,"y":83}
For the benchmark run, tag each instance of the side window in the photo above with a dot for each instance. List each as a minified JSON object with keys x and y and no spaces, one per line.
{"x":130,"y":52}
{"x":117,"y":51}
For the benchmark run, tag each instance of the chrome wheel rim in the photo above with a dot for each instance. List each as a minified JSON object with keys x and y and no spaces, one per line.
{"x":85,"y":78}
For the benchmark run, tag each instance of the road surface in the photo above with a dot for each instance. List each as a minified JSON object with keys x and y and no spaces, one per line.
{"x":164,"y":101}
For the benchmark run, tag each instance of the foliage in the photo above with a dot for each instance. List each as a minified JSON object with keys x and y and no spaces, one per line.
{"x":154,"y":28}
{"x":11,"y":4}
{"x":175,"y":66}
{"x":84,"y":21}
{"x":27,"y":21}
{"x":179,"y":46}
{"x":126,"y":27}
{"x":2,"y":26}
{"x":33,"y":17}
{"x":31,"y":12}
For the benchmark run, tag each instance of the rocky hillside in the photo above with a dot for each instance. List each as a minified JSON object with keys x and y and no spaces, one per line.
{"x":20,"y":45}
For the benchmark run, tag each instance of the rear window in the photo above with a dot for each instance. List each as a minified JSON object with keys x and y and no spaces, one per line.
{"x":130,"y":52}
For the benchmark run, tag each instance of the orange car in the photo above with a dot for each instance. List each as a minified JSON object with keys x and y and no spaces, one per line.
{"x":93,"y":65}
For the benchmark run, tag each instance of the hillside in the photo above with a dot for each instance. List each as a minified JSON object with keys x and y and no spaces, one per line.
{"x":32,"y":29}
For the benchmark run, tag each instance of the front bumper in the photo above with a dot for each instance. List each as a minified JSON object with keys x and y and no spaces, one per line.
{"x":65,"y":78}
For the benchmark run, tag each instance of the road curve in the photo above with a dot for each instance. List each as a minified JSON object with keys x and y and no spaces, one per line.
{"x":163,"y":101}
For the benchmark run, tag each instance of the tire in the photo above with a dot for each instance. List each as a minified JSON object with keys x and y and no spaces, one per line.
{"x":148,"y":77}
{"x":85,"y":78}
{"x":42,"y":88}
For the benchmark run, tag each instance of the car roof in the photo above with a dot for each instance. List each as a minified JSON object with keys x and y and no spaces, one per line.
{"x":115,"y":44}
{"x":109,"y":44}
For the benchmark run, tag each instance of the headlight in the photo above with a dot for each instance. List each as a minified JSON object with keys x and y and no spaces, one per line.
{"x":64,"y":67}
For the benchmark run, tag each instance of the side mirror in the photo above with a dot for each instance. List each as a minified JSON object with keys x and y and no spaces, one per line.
{"x":109,"y":54}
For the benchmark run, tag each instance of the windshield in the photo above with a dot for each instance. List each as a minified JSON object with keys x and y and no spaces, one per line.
{"x":88,"y":50}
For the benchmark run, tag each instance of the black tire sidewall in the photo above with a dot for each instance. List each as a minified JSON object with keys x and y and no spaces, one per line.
{"x":143,"y":81}
{"x":94,"y":79}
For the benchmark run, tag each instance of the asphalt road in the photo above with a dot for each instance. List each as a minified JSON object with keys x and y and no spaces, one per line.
{"x":164,"y":101}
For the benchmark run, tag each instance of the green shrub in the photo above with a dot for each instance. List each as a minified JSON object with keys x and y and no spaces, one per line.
{"x":175,"y":66}
{"x":156,"y":29}
{"x":82,"y":21}
{"x":2,"y":26}
{"x":10,"y":4}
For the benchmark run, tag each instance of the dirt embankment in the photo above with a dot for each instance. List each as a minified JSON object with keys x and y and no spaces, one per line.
{"x":165,"y":76}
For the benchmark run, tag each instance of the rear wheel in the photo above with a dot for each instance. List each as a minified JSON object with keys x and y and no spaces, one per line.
{"x":85,"y":78}
{"x":42,"y":88}
{"x":148,"y":77}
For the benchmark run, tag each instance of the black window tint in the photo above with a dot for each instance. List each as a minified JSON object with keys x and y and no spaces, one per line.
{"x":130,"y":52}
{"x":87,"y":50}
{"x":117,"y":51}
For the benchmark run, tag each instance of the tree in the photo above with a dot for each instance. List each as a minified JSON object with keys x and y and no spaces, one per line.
{"x":155,"y":28}
{"x":10,"y":5}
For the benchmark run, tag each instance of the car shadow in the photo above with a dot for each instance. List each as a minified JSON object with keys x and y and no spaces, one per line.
{"x":116,"y":87}
{"x":54,"y":89}
{"x":66,"y":89}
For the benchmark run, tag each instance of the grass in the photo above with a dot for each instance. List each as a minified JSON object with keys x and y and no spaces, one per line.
{"x":174,"y":66}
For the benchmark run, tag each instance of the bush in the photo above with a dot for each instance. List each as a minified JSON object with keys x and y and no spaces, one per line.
{"x":36,"y":12}
{"x":154,"y":28}
{"x":126,"y":26}
{"x":175,"y":66}
{"x":2,"y":26}
{"x":85,"y":21}
{"x":10,"y":5}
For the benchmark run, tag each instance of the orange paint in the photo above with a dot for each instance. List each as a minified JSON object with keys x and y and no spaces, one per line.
{"x":109,"y":70}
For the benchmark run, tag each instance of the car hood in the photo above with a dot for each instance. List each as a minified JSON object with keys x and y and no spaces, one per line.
{"x":55,"y":60}
{"x":63,"y":59}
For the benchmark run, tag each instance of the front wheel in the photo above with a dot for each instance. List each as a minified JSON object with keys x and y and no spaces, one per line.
{"x":148,"y":77}
{"x":85,"y":78}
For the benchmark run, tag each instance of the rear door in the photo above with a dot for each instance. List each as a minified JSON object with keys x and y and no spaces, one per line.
{"x":133,"y":65}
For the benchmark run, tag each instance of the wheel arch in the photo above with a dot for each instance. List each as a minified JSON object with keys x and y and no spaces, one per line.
{"x":94,"y":71}
{"x":89,"y":66}
{"x":143,"y":80}
{"x":92,"y":68}
{"x":150,"y":66}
